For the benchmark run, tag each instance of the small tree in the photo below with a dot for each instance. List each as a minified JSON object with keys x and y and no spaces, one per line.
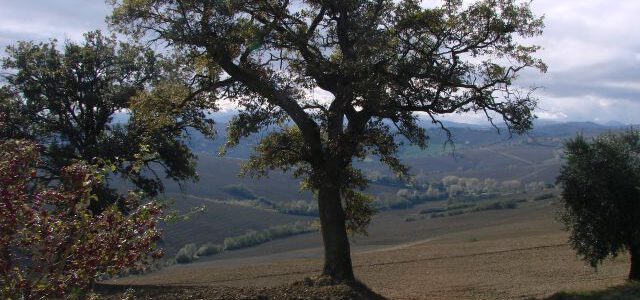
{"x":66,"y":100}
{"x":51,"y":245}
{"x":385,"y":64}
{"x":601,"y":197}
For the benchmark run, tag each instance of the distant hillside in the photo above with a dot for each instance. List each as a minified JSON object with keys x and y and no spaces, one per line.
{"x":477,"y":152}
{"x":463,"y":136}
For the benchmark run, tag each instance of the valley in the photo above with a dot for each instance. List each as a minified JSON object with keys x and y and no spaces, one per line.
{"x":465,"y":247}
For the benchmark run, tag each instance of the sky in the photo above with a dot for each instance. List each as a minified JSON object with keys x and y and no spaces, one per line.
{"x":592,"y":48}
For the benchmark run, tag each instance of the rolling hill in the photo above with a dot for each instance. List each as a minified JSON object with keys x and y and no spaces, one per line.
{"x":479,"y":152}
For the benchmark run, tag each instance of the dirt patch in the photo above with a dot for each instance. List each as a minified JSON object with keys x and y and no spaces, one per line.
{"x":515,"y":254}
{"x":309,"y":288}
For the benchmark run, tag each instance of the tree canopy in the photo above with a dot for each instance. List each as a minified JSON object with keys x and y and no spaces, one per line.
{"x":601,"y":197}
{"x":384,"y":64}
{"x":85,"y":102}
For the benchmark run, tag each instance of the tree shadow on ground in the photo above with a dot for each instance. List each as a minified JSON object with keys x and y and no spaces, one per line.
{"x":627,"y":291}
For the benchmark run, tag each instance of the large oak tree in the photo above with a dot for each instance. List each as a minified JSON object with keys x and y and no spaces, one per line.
{"x":385,"y":64}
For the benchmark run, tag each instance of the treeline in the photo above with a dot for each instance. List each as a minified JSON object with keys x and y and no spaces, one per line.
{"x":454,"y":209}
{"x":459,"y":206}
{"x":404,"y":199}
{"x":453,"y":188}
{"x":239,"y":191}
{"x":192,"y":252}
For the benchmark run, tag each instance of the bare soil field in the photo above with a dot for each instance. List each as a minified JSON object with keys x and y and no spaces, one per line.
{"x":508,"y":254}
{"x":218,"y":221}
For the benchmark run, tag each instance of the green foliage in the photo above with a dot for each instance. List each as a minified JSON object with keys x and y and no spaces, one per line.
{"x":427,"y":211}
{"x":458,"y":208}
{"x":93,"y":102}
{"x":359,"y":210}
{"x":497,"y":205}
{"x":600,"y":194}
{"x":190,"y":252}
{"x":254,"y":238}
{"x":544,"y":196}
{"x":455,"y":212}
{"x":406,"y":200}
{"x":300,"y":208}
{"x":239,"y":191}
{"x":187,"y":254}
{"x":384,"y":202}
{"x":209,"y":249}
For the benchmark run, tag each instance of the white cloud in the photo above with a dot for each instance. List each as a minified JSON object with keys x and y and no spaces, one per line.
{"x":627,"y":85}
{"x":41,"y":20}
{"x":552,"y":115}
{"x":568,"y":53}
{"x":589,"y":108}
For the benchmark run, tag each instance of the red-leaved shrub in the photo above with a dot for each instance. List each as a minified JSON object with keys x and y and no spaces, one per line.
{"x":51,"y":245}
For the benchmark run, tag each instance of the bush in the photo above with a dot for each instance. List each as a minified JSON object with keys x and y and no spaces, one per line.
{"x":52,"y":246}
{"x":209,"y":249}
{"x":187,"y":254}
{"x":497,"y":205}
{"x":254,"y":238}
{"x":438,"y":215}
{"x":410,"y":219}
{"x":263,"y":202}
{"x":405,"y":199}
{"x":432,"y":210}
{"x":300,"y":208}
{"x":239,"y":191}
{"x":191,"y":252}
{"x":543,"y":197}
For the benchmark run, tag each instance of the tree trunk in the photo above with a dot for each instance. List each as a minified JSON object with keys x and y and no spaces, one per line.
{"x":337,"y":253}
{"x":634,"y":273}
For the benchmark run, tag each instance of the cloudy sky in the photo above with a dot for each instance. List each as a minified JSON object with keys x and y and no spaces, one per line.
{"x":592,"y":48}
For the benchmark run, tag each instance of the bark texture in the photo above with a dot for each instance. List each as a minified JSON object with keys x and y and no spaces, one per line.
{"x":634,"y":272}
{"x":337,"y":252}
